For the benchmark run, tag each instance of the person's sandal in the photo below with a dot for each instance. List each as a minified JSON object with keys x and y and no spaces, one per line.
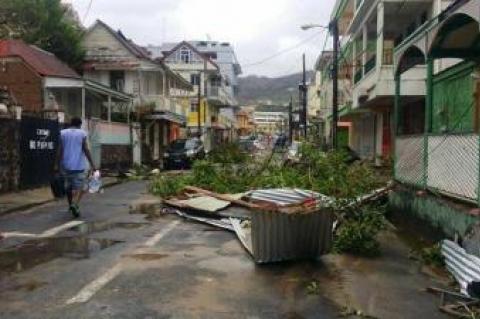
{"x":75,"y":211}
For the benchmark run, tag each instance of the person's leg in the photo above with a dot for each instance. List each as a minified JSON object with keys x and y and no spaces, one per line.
{"x":78,"y":191}
{"x":69,"y":196}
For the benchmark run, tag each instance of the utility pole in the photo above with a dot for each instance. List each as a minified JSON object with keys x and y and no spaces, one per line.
{"x":199,"y":103}
{"x":334,"y":30}
{"x":290,"y":120}
{"x":304,"y":99}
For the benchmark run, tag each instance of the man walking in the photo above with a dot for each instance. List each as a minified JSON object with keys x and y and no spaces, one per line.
{"x":72,"y":151}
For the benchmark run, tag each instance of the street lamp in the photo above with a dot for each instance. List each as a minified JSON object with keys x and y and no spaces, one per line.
{"x":333,"y":27}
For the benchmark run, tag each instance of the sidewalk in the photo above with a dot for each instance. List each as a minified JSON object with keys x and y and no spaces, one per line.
{"x":22,"y":200}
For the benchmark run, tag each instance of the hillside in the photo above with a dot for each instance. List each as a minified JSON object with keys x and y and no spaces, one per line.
{"x":262,"y":90}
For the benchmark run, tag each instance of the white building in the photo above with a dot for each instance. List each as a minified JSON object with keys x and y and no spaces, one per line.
{"x":271,"y":119}
{"x":212,"y":69}
{"x":117,"y":62}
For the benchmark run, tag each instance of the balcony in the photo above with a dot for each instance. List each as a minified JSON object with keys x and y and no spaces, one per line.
{"x":218,"y":96}
{"x":162,"y":103}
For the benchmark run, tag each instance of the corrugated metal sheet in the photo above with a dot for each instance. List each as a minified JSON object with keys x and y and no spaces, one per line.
{"x":220,"y":223}
{"x":464,"y":267}
{"x":287,"y":196}
{"x":280,"y":236}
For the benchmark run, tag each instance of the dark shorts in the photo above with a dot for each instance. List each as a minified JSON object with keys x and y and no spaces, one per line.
{"x":75,"y":180}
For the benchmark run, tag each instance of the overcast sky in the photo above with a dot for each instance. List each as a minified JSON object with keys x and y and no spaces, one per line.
{"x":258,"y":29}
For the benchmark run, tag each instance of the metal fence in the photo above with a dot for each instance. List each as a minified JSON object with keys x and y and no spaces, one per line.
{"x":446,"y":163}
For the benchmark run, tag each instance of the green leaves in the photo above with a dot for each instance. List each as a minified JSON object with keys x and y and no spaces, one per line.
{"x":358,"y":231}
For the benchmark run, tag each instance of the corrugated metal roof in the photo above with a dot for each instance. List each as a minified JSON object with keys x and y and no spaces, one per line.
{"x":279,"y":236}
{"x":43,"y":62}
{"x":463,"y":266}
{"x":288,"y":196}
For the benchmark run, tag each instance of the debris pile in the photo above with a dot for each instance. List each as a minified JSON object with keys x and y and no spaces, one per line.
{"x":282,"y":224}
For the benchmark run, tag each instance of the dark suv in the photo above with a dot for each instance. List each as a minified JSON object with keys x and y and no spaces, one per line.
{"x":182,"y":153}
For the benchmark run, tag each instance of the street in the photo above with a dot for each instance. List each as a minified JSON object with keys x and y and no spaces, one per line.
{"x":114,"y":264}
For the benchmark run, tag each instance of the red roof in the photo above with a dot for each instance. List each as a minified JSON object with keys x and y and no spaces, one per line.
{"x":43,"y":62}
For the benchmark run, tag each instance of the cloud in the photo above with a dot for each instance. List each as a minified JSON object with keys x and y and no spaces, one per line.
{"x":257,"y":28}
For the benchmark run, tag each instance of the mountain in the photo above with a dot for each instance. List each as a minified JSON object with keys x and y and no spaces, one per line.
{"x":265,"y":90}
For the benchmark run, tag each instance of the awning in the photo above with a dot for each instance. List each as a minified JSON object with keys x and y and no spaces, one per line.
{"x":167,"y":116}
{"x":105,"y":90}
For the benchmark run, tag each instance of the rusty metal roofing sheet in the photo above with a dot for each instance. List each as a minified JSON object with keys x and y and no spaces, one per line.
{"x":43,"y":62}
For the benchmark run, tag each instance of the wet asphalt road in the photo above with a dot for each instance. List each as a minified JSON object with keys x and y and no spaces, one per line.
{"x":121,"y":265}
{"x":115,"y":264}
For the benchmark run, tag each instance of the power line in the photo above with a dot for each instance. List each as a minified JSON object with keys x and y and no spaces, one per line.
{"x":87,"y":11}
{"x":282,"y":51}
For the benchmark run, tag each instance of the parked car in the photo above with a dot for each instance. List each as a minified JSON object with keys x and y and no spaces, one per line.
{"x":182,"y":153}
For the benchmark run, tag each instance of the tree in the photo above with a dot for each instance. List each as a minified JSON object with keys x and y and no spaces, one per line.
{"x":48,"y":24}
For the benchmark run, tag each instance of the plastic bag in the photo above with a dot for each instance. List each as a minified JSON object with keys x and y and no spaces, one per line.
{"x":95,"y":183}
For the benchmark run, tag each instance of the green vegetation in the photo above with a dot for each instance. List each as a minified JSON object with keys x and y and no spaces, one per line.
{"x":358,"y":231}
{"x":230,"y":171}
{"x":432,"y":256}
{"x":49,"y":24}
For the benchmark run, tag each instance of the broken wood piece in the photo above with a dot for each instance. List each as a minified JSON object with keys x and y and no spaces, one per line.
{"x":222,"y":197}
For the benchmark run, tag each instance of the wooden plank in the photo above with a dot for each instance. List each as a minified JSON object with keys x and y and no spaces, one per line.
{"x":222,"y":197}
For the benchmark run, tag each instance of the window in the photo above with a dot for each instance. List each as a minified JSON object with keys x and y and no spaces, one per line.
{"x":211,"y":55}
{"x":185,"y":55}
{"x":117,"y":80}
{"x":195,"y":79}
{"x":193,"y":107}
{"x":216,"y":81}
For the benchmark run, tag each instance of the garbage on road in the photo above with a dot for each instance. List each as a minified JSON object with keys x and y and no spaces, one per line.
{"x":284,"y":224}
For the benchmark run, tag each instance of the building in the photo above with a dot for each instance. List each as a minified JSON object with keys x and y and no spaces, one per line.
{"x":245,"y":121}
{"x":437,"y":139}
{"x":158,"y":92}
{"x":212,"y":67}
{"x":46,"y":87}
{"x":271,"y":119}
{"x":369,"y":32}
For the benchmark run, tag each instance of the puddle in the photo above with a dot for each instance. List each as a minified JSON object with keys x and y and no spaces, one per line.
{"x":147,"y":257}
{"x":151,"y":210}
{"x":39,"y":251}
{"x":96,"y":227}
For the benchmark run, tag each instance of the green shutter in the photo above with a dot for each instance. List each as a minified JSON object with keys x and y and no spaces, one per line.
{"x":453,"y":100}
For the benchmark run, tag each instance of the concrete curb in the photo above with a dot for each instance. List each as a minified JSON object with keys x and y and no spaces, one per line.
{"x":50,"y":200}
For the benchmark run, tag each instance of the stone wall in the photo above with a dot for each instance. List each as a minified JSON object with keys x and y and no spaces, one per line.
{"x":9,"y":155}
{"x":116,"y":157}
